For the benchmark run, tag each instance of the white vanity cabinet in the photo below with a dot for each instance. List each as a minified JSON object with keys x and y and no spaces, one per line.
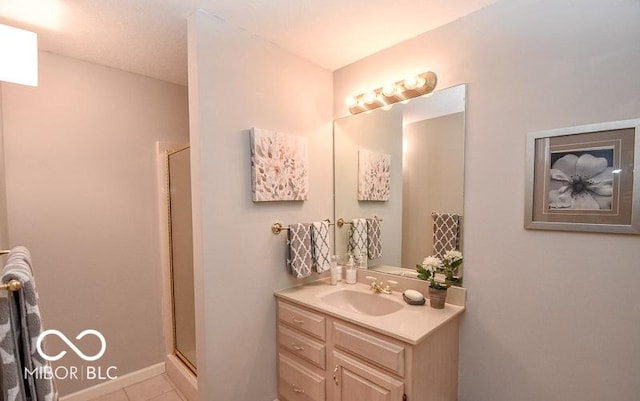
{"x":322,"y":357}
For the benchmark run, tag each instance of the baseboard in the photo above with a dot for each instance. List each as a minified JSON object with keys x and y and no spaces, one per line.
{"x":116,"y":384}
{"x":183,"y":379}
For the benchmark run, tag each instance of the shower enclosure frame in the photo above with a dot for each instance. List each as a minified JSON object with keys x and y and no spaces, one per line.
{"x":176,"y":350}
{"x":180,"y":371}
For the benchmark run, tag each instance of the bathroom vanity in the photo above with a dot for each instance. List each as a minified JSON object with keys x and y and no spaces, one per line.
{"x":346,"y":343}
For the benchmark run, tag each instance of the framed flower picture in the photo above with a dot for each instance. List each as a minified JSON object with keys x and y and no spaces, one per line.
{"x":279,"y":166}
{"x":584,"y":178}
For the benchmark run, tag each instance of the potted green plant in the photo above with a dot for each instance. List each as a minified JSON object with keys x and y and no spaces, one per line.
{"x":440,"y":273}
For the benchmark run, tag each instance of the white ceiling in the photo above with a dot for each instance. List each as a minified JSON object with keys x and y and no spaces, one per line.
{"x":149,"y":37}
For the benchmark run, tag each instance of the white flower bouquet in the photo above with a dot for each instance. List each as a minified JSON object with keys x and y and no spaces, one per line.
{"x":433,"y":266}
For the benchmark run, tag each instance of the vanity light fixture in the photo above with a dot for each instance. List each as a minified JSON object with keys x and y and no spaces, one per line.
{"x":19,"y":55}
{"x":408,"y":88}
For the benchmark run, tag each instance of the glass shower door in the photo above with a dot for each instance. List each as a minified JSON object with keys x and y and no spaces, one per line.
{"x":181,"y":248}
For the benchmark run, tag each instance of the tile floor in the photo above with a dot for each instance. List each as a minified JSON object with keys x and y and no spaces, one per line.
{"x":158,"y":388}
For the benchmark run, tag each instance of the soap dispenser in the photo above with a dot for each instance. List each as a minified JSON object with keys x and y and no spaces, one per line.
{"x":362,"y":260}
{"x":351,"y":271}
{"x":335,"y":272}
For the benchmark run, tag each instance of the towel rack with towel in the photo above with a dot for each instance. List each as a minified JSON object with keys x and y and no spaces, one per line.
{"x":341,"y":222}
{"x":308,"y":247}
{"x":277,"y":228}
{"x":21,"y":326}
{"x":12,"y":285}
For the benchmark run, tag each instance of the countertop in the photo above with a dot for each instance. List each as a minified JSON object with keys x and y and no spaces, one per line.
{"x":410,"y":324}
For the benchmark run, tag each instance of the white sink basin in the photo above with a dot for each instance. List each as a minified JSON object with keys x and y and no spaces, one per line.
{"x":361,"y":302}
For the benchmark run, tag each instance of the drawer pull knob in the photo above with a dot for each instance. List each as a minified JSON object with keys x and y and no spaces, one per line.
{"x":335,"y":373}
{"x":297,"y":389}
{"x":297,"y":347}
{"x":296,"y":320}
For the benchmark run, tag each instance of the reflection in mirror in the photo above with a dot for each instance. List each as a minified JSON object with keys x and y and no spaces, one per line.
{"x":415,"y":153}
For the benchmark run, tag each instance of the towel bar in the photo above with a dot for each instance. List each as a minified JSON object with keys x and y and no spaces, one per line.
{"x":12,"y":285}
{"x":277,"y":228}
{"x":4,"y":252}
{"x":341,"y":221}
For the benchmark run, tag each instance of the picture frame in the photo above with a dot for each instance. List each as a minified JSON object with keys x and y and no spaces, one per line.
{"x":279,"y":166}
{"x":584,"y":178}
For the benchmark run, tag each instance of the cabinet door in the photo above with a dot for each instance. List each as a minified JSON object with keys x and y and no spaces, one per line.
{"x":355,"y":381}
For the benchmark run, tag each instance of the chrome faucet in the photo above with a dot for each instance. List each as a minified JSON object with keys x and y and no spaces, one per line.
{"x":379,"y":287}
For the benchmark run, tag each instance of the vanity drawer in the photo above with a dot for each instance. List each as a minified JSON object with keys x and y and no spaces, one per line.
{"x":301,"y":345}
{"x":376,"y":349}
{"x":295,"y":382}
{"x":302,"y":319}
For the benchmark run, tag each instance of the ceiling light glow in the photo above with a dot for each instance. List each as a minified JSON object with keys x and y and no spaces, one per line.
{"x":19,"y":55}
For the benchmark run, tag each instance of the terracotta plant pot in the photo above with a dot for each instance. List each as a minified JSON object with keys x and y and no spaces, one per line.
{"x":437,"y":298}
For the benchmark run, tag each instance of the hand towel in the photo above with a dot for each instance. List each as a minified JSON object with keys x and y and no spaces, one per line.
{"x":20,"y":327}
{"x":446,"y":233}
{"x":358,"y":237}
{"x":374,"y":238}
{"x":320,"y":246}
{"x":299,"y":259}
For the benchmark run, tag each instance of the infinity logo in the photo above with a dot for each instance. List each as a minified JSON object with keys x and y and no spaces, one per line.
{"x":75,"y":349}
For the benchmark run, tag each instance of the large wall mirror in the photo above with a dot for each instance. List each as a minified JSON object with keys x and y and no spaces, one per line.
{"x":414,"y":154}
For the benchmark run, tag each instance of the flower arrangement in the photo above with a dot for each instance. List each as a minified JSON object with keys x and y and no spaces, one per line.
{"x":447,"y":266}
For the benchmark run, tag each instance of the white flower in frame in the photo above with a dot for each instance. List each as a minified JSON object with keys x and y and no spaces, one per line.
{"x":583,"y":182}
{"x":279,"y":166}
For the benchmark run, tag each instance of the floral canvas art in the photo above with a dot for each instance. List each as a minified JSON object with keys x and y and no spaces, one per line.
{"x":374,"y":177}
{"x":279,"y":166}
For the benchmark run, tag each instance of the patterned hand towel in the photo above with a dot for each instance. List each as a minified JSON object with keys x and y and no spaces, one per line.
{"x":374,"y":238}
{"x":20,"y":327}
{"x":299,"y":260}
{"x":320,"y":246}
{"x":446,"y":233}
{"x":358,"y":237}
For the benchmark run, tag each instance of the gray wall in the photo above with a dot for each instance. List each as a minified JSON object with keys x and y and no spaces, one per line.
{"x":82,"y":195}
{"x":551,"y":315}
{"x":238,"y":81}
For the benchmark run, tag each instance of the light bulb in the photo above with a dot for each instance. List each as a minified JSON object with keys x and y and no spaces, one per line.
{"x":389,"y":90}
{"x":411,"y":82}
{"x":370,"y":97}
{"x":350,"y":101}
